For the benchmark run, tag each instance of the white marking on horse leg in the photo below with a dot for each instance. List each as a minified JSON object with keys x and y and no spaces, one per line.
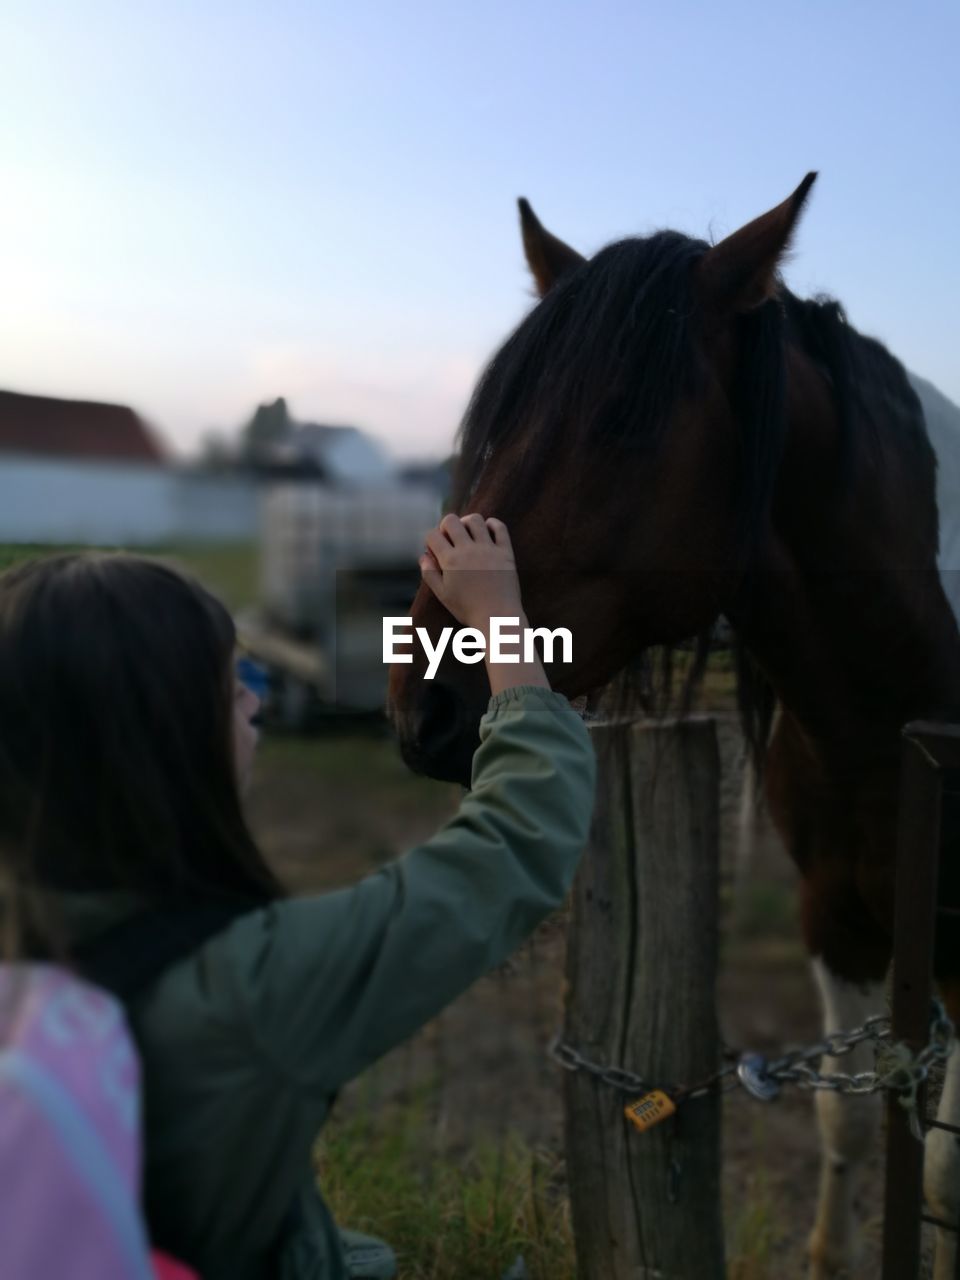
{"x":747,"y":816}
{"x":941,"y":1169}
{"x":746,"y":840}
{"x":753,"y":818}
{"x":848,"y":1125}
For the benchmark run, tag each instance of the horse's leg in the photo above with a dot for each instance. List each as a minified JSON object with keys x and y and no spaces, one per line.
{"x":850,"y":955}
{"x":941,"y":1172}
{"x":848,"y":1125}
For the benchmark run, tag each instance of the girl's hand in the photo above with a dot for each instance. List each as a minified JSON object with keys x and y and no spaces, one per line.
{"x":468,"y":564}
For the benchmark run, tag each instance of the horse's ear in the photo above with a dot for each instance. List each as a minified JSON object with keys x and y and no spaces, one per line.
{"x":547,"y":257}
{"x":740,"y":272}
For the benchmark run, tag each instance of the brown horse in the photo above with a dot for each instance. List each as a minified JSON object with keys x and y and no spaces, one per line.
{"x":670,"y":436}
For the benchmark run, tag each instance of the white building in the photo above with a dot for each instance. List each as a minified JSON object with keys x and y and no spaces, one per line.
{"x":81,"y":472}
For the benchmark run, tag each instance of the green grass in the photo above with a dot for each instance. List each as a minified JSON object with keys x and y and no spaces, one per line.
{"x":370,"y":760}
{"x":467,"y":1217}
{"x":230,"y":570}
{"x":767,"y":911}
{"x":448,"y":1219}
{"x":753,"y":1234}
{"x":12,"y":553}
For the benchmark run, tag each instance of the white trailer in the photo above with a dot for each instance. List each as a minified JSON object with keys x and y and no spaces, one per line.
{"x":333,"y":563}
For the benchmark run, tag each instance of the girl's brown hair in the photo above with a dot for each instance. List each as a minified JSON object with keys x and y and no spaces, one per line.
{"x":116,"y":757}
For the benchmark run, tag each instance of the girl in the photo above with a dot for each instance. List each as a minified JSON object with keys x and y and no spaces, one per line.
{"x":124,"y":745}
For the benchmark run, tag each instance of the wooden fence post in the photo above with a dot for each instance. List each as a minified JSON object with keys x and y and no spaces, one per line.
{"x":929,"y":781}
{"x":641,"y":973}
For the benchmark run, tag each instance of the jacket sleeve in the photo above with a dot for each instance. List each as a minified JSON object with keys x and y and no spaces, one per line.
{"x":329,"y":983}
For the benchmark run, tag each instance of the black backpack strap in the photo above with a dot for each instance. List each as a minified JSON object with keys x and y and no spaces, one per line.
{"x":127,"y":957}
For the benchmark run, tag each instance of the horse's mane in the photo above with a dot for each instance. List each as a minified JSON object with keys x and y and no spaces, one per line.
{"x":875,"y":401}
{"x":602,"y":360}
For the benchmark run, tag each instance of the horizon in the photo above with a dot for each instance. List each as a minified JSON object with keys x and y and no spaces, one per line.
{"x":218,"y":208}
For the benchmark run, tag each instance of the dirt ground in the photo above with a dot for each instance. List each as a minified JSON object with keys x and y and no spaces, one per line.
{"x":330,"y":809}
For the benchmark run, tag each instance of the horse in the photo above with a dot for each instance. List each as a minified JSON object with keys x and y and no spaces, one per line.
{"x":673,"y":437}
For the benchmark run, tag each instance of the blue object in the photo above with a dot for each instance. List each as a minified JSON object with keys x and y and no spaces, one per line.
{"x":254,"y":676}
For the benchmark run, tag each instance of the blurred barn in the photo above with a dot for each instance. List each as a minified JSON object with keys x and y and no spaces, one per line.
{"x":75,"y":471}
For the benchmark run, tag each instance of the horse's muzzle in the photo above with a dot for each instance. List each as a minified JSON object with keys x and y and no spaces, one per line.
{"x":438,"y":736}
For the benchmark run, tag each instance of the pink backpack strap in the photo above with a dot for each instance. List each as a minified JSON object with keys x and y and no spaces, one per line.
{"x":69,"y":1131}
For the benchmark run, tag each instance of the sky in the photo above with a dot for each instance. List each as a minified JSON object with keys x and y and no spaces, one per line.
{"x":210,"y":204}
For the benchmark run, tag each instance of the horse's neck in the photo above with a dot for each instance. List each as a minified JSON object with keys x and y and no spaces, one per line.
{"x":851,"y":658}
{"x":847,"y":615}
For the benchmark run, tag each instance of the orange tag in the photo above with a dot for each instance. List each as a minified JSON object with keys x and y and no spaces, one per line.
{"x":650,"y":1110}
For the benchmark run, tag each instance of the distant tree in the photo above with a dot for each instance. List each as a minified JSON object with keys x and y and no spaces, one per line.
{"x":216,"y":451}
{"x":270,"y":426}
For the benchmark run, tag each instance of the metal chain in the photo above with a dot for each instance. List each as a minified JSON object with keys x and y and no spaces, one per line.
{"x":625,"y":1081}
{"x":898,"y":1068}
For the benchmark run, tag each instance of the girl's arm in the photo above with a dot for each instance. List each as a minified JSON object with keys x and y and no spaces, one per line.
{"x":328,"y":984}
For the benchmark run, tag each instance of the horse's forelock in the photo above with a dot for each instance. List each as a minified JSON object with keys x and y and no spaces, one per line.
{"x":603,"y":357}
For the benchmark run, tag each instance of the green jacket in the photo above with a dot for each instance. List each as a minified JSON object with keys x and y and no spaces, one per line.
{"x":246,"y":1042}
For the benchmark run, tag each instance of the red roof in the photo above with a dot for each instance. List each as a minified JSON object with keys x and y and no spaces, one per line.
{"x":74,"y":429}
